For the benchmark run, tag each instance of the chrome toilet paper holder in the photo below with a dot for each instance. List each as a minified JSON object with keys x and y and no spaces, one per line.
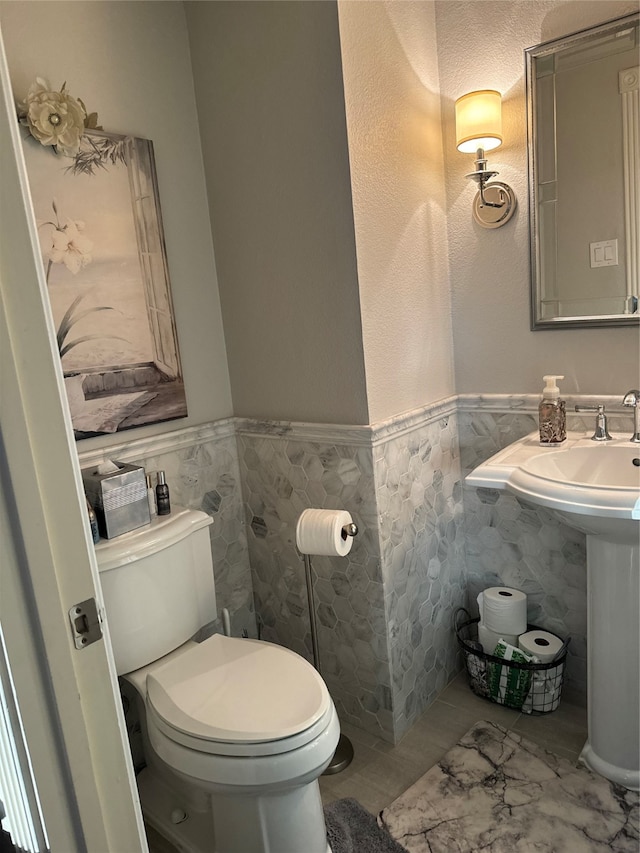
{"x":349,"y":530}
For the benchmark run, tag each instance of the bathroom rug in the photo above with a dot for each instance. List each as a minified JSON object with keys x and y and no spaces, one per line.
{"x":497,"y":792}
{"x":352,"y":829}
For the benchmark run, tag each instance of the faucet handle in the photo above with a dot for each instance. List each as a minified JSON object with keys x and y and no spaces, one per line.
{"x":601,"y":432}
{"x":599,"y":408}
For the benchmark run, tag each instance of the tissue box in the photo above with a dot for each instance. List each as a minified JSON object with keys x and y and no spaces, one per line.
{"x":119,"y":498}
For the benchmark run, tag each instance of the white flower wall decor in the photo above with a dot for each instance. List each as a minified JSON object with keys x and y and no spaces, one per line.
{"x":55,"y":118}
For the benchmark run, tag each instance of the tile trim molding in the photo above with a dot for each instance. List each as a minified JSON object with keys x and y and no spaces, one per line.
{"x":529,"y":403}
{"x":156,"y":445}
{"x":353,"y":435}
{"x":356,"y":435}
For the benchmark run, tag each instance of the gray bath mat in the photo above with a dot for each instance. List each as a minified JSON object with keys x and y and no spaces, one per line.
{"x":352,"y":829}
{"x":495,"y":791}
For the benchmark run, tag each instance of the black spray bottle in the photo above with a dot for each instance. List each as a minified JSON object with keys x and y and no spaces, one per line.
{"x":162,"y":495}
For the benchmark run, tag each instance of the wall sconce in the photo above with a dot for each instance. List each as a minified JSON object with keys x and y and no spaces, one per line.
{"x":479,"y":129}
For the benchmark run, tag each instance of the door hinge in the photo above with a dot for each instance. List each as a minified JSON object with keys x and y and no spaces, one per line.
{"x":85,"y":623}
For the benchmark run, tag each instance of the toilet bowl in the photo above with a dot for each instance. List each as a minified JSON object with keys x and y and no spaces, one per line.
{"x":236,"y":732}
{"x":253,"y":725}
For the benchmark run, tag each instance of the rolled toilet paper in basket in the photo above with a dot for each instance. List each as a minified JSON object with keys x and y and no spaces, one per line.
{"x":546,"y":684}
{"x":319,"y":531}
{"x":542,"y":644}
{"x":488,"y":639}
{"x":503,"y":610}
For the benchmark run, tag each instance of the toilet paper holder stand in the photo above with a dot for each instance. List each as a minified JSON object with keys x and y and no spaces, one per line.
{"x":343,"y":755}
{"x":350,"y":529}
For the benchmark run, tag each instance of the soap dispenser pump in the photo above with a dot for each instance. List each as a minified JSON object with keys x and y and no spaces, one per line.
{"x":552,"y":414}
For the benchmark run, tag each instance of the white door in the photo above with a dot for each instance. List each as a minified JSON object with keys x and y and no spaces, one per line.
{"x":68,"y":698}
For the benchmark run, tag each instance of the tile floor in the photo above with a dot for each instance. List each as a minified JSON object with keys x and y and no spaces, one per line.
{"x":380,"y":772}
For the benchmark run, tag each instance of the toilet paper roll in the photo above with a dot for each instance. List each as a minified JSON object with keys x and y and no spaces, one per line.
{"x":488,"y":639}
{"x":503,"y":610}
{"x":319,"y":531}
{"x":542,"y":644}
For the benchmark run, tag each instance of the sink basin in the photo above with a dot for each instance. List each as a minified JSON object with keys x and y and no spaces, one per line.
{"x":598,"y":482}
{"x":594,"y":487}
{"x":599,"y":466}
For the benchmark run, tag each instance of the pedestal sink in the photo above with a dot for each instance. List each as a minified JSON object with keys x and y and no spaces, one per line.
{"x":594,"y":487}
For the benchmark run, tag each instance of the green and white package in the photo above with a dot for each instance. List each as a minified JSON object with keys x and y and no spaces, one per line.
{"x":509,"y":685}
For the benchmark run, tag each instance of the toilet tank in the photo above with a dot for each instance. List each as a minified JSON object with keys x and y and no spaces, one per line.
{"x":157,"y":585}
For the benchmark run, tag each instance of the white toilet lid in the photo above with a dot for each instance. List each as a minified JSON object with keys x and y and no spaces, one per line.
{"x":230,"y":689}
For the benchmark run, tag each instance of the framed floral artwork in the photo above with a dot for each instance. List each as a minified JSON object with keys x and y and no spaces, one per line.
{"x":100,"y":229}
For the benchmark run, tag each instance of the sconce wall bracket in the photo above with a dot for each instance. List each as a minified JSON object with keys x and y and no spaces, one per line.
{"x":495,"y":205}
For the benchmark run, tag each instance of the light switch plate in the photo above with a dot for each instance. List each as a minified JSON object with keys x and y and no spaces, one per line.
{"x":604,"y":254}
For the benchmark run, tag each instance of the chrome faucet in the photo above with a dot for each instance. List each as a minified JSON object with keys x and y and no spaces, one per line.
{"x":632,"y":398}
{"x":601,"y":432}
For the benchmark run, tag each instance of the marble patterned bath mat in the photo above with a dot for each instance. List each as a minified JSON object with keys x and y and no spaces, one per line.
{"x":497,"y":792}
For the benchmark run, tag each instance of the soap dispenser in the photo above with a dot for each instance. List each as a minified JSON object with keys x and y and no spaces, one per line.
{"x":551,"y":414}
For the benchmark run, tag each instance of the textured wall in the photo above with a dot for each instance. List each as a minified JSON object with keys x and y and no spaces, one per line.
{"x":395,"y":151}
{"x":489,"y":270}
{"x":300,"y":319}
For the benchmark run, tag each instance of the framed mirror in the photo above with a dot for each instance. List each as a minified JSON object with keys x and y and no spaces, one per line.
{"x":583,"y":108}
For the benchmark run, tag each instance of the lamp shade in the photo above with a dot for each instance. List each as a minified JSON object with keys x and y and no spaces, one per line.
{"x":479,"y":121}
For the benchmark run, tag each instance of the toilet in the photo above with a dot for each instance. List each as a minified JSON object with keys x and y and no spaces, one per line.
{"x":235,"y":731}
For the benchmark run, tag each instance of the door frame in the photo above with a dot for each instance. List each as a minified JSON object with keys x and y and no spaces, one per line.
{"x":68,"y":698}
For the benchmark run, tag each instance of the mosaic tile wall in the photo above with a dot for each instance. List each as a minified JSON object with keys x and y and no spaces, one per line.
{"x":384,"y":613}
{"x":419,"y":498}
{"x":281,"y":476}
{"x":426,"y":543}
{"x":207,"y":477}
{"x":204,"y":474}
{"x":520,"y":545}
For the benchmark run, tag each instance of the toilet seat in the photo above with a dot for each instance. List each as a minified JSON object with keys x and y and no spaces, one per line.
{"x":218,"y":697}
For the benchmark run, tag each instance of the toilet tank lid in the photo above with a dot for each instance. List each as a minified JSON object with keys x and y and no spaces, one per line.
{"x":162,"y":532}
{"x":228,"y":689}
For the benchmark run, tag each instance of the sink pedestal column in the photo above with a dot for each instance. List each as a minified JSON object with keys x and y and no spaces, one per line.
{"x":613,"y":640}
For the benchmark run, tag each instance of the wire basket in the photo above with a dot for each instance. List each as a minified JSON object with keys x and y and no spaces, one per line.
{"x":533,"y":688}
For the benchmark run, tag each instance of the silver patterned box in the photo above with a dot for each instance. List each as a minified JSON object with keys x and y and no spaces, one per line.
{"x":119,"y":498}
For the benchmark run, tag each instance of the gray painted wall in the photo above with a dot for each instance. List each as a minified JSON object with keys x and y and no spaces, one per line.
{"x":268,"y":82}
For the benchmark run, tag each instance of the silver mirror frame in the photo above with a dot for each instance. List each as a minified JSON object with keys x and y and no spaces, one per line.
{"x":531,"y":54}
